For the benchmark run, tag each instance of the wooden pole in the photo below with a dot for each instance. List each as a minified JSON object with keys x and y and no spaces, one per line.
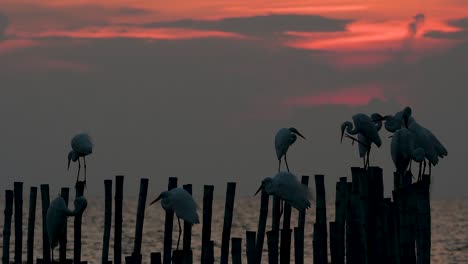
{"x":168,"y":225}
{"x":136,"y":255}
{"x":45,"y":238}
{"x":299,"y":245}
{"x":31,"y":224}
{"x":262,"y":219}
{"x":302,"y":213}
{"x":210,"y":252}
{"x":187,"y":239}
{"x":18,"y":192}
{"x":118,"y":220}
{"x":7,"y":226}
{"x":107,"y":220}
{"x":423,"y":241}
{"x":275,"y":222}
{"x":363,"y":210}
{"x":333,"y":242}
{"x":155,"y":258}
{"x":228,"y":214}
{"x":65,"y":192}
{"x":78,"y":219}
{"x":340,"y":219}
{"x":250,"y":247}
{"x":236,"y":250}
{"x":376,"y":242}
{"x":320,"y":227}
{"x":272,"y":240}
{"x":206,"y":228}
{"x":285,"y":244}
{"x":350,"y":226}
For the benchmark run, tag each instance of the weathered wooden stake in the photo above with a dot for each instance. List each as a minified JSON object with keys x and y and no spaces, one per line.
{"x":7,"y":226}
{"x":285,"y":244}
{"x":302,"y":213}
{"x":168,"y":225}
{"x":423,"y":241}
{"x":136,"y":255}
{"x":320,"y":227}
{"x":299,"y":245}
{"x":45,"y":238}
{"x":31,"y":224}
{"x":206,"y":228}
{"x":187,"y":239}
{"x":250,"y":247}
{"x":333,"y":242}
{"x":340,"y":219}
{"x":77,"y":226}
{"x":107,"y":220}
{"x":272,"y":240}
{"x":18,"y":192}
{"x":262,"y":219}
{"x":118,"y":220}
{"x":65,"y":192}
{"x":228,"y":214}
{"x":236,"y":250}
{"x":155,"y":258}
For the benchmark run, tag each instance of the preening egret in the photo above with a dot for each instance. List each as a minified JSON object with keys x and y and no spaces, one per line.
{"x":284,"y":138}
{"x":424,"y":138}
{"x":82,"y":146}
{"x":182,"y":204}
{"x":403,"y":150}
{"x":57,"y":213}
{"x":368,"y":128}
{"x":287,"y":187}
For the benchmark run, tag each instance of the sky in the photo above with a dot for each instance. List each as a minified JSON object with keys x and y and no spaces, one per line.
{"x":198,"y":89}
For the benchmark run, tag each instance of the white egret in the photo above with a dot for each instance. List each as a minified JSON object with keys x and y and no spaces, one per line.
{"x":403,"y":150}
{"x":284,"y":138}
{"x":182,"y":204}
{"x":424,"y":138}
{"x":287,"y":187}
{"x":82,"y":146}
{"x":367,"y":128}
{"x":57,"y":214}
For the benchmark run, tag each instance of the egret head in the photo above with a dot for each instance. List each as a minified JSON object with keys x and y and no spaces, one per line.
{"x":163,"y":195}
{"x":72,"y":156}
{"x":267,"y":185}
{"x":343,"y":128}
{"x":294,"y":130}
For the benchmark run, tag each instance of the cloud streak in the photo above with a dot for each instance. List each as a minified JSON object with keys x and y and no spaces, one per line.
{"x":3,"y":26}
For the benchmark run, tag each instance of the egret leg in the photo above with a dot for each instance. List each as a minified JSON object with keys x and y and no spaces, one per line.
{"x":364,"y":161}
{"x":286,"y":161}
{"x":84,"y":160}
{"x":180,"y":232}
{"x":420,"y":170}
{"x":281,"y":207}
{"x":279,"y":165}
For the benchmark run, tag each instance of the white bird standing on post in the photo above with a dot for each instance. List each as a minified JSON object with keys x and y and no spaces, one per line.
{"x":424,"y":138}
{"x":403,"y":150}
{"x":182,"y":204}
{"x":367,"y":127}
{"x":284,"y":138}
{"x":82,"y":146}
{"x":287,"y":187}
{"x":57,"y":214}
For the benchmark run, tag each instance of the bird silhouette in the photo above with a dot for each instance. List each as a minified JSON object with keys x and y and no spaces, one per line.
{"x":82,"y":146}
{"x":57,"y":214}
{"x":284,"y":138}
{"x":403,"y":150}
{"x":367,"y":129}
{"x":424,"y":138}
{"x":182,"y":204}
{"x":287,"y":187}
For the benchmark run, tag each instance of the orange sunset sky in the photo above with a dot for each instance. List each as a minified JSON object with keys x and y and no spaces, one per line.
{"x":221,"y":66}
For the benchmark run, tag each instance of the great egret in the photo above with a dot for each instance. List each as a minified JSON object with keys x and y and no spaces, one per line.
{"x":287,"y":187}
{"x":403,"y":150}
{"x":182,"y":204}
{"x":424,"y":138}
{"x":284,"y":138}
{"x":82,"y":146}
{"x":57,"y":214}
{"x":368,"y":128}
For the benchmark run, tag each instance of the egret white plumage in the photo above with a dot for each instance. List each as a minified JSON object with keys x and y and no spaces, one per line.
{"x":182,"y":204}
{"x":82,"y":146}
{"x":424,"y":138}
{"x":368,"y":128}
{"x":403,"y":149}
{"x":284,"y":138}
{"x":287,"y":187}
{"x":57,"y":214}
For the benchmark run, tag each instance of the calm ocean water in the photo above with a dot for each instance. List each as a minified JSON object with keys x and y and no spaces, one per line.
{"x":449,"y":229}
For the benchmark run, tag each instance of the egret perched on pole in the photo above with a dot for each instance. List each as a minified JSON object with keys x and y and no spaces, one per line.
{"x":287,"y":187}
{"x":82,"y":146}
{"x":284,"y":138}
{"x":368,"y":128}
{"x":403,"y":149}
{"x":57,"y":214}
{"x":424,"y":138}
{"x":182,"y":204}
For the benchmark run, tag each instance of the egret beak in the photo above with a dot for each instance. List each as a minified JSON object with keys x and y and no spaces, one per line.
{"x":342,"y":134}
{"x":157,"y":199}
{"x":260,"y":188}
{"x":299,"y":134}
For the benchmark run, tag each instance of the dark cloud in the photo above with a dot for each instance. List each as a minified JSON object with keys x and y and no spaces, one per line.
{"x":415,"y":25}
{"x":462,"y":24}
{"x":3,"y":25}
{"x":133,"y":11}
{"x":261,"y":24}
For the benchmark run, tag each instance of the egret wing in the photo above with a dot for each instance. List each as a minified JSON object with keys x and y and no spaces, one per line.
{"x":184,"y":206}
{"x":292,"y":191}
{"x":282,"y":142}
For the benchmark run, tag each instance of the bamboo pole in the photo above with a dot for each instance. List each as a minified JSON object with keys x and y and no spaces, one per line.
{"x":228,"y":215}
{"x":262,"y":219}
{"x":65,"y":192}
{"x":7,"y":226}
{"x":136,"y":255}
{"x":320,"y":227}
{"x":31,"y":225}
{"x":168,"y":226}
{"x":107,"y":220}
{"x":206,"y":228}
{"x":250,"y":247}
{"x":77,"y":226}
{"x":45,"y":238}
{"x":236,"y":250}
{"x":18,"y":192}
{"x":340,"y":219}
{"x":118,"y":220}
